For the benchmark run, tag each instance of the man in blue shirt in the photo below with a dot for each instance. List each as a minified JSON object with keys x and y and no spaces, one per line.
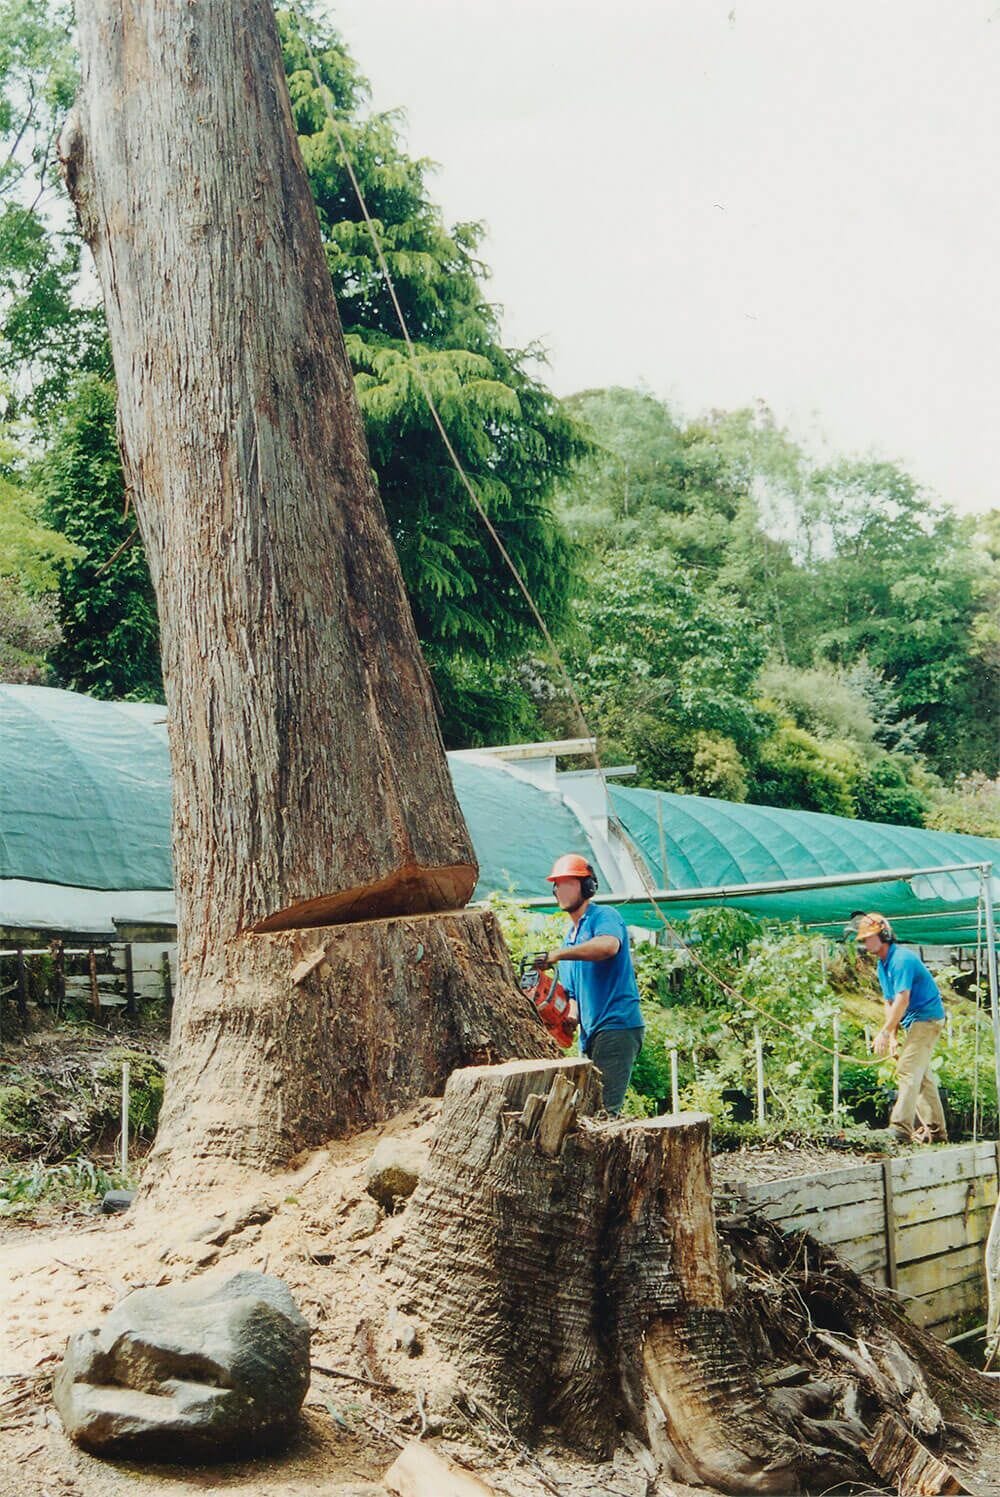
{"x":913,"y":1005}
{"x":598,"y":976}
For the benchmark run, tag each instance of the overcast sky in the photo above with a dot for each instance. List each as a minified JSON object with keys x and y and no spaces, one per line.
{"x":775,"y":200}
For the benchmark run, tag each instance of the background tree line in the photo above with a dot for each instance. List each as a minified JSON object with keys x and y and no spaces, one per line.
{"x":739,"y":620}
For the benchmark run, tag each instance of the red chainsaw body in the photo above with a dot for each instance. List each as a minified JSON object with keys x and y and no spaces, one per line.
{"x":552,"y":1002}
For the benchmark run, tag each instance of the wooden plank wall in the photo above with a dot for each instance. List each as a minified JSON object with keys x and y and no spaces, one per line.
{"x":934,"y":1207}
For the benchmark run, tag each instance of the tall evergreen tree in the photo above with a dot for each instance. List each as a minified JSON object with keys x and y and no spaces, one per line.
{"x":107,"y":611}
{"x":513,"y":438}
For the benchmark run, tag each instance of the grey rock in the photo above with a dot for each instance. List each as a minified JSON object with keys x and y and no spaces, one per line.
{"x":188,"y":1372}
{"x":116,"y":1200}
{"x":394,"y":1169}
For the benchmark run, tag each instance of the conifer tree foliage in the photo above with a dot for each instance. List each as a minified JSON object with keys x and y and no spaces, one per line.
{"x":106,"y":607}
{"x":512,"y":436}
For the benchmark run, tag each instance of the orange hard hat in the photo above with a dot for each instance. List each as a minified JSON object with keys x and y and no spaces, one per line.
{"x":570,"y":865}
{"x":873,"y":925}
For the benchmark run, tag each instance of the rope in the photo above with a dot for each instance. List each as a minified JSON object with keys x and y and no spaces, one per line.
{"x":509,"y":562}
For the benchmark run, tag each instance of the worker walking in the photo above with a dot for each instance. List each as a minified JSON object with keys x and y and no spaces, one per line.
{"x":596,"y":971}
{"x":913,"y":1005}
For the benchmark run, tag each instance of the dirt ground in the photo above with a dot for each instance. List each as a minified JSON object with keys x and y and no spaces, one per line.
{"x":323,"y":1236}
{"x":367,"y":1395}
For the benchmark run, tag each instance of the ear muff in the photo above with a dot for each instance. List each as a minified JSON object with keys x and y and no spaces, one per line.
{"x":588,"y":885}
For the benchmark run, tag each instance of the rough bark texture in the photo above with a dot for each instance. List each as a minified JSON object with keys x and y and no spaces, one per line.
{"x":309,"y":780}
{"x":571,"y":1271}
{"x":591,"y":1260}
{"x":387,"y":1012}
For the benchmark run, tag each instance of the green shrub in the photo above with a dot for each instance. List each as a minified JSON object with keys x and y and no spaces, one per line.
{"x":738,"y":974}
{"x":20,"y":1111}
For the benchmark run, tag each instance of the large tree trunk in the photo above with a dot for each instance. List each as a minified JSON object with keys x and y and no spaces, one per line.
{"x":310,"y":783}
{"x":590,"y":1257}
{"x":328,"y":1031}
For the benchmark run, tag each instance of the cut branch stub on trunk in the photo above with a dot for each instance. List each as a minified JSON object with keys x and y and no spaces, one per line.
{"x":569,"y":1268}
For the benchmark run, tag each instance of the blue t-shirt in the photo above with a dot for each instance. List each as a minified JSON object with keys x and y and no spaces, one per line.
{"x":606,"y":992}
{"x":902,"y":969}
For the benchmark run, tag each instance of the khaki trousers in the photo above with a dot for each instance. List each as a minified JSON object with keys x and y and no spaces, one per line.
{"x":918,"y":1096}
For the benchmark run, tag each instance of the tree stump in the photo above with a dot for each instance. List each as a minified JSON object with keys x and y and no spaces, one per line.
{"x":570,"y":1270}
{"x":331,"y":1030}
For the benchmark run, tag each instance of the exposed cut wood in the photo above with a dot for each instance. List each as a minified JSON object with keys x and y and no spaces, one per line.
{"x":418,"y":1471}
{"x":413,"y":890}
{"x":902,"y":1460}
{"x":388,"y":1012}
{"x":308,"y":964}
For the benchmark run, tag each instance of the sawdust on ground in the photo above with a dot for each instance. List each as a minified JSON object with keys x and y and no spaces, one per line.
{"x":368,"y":1395}
{"x":371,"y":1397}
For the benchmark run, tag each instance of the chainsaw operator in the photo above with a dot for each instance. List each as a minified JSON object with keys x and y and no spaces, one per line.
{"x":596,"y":971}
{"x":913,"y":1005}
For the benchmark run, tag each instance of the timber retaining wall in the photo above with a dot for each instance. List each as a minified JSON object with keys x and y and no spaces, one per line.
{"x":916,"y":1224}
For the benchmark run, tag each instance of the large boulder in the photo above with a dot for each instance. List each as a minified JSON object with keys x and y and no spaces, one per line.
{"x":189,"y":1371}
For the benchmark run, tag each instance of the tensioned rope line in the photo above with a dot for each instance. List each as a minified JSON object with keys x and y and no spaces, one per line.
{"x":557,"y":660}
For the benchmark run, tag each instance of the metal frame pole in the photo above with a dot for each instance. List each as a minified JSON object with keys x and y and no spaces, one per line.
{"x":989,"y":924}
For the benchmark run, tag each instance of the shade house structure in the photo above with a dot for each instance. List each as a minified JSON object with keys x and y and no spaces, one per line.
{"x":85,"y":836}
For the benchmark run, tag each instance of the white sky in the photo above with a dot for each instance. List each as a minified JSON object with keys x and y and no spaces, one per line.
{"x":771,"y":199}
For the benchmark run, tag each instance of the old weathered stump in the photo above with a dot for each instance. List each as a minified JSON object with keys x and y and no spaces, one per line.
{"x":331,"y":1030}
{"x":569,"y":1268}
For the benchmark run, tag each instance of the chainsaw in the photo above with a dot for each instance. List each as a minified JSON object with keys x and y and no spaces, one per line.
{"x":551,"y":1001}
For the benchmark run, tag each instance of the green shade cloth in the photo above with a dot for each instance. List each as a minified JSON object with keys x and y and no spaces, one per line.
{"x":85,"y":800}
{"x":85,"y":803}
{"x":84,"y":790}
{"x":517,"y":829}
{"x":711,"y":843}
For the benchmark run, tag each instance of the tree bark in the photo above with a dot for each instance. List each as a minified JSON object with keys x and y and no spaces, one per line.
{"x":573,"y":1275}
{"x":310,"y":784}
{"x":331,"y":1030}
{"x":571,"y":1271}
{"x":309,"y":779}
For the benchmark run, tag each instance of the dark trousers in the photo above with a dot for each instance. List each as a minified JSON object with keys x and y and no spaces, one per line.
{"x":614,"y":1052}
